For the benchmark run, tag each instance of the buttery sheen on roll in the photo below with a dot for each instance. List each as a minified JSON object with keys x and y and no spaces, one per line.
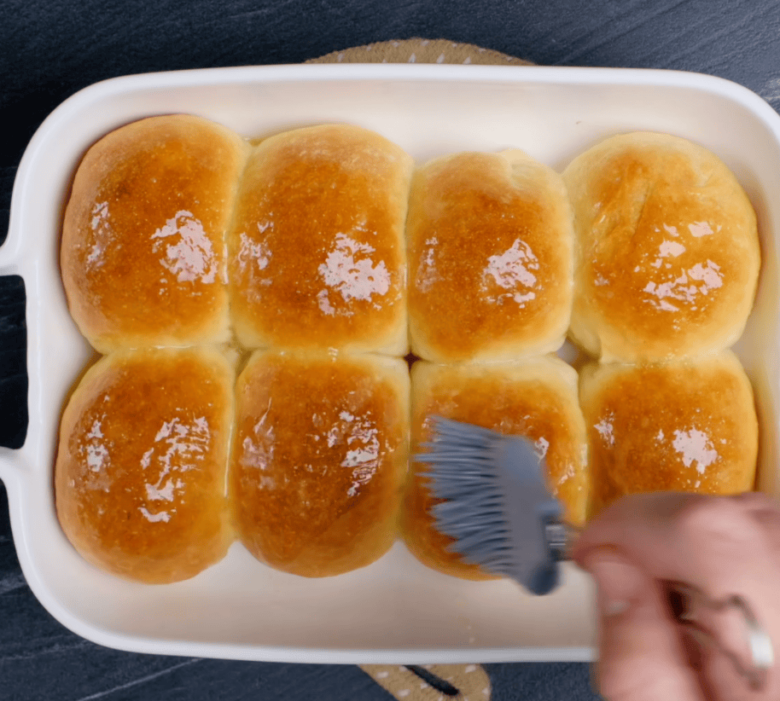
{"x":688,"y":425}
{"x":667,"y":248}
{"x":490,"y":258}
{"x":140,"y":472}
{"x":536,"y":398}
{"x":319,"y":459}
{"x":142,"y":255}
{"x":317,"y":254}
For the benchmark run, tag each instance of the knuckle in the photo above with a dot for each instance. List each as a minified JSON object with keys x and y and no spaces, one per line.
{"x":758,"y":501}
{"x":726,"y":518}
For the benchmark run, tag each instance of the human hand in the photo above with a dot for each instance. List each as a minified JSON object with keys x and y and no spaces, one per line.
{"x":721,"y":545}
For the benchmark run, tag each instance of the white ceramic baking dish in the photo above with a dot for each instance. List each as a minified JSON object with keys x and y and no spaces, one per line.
{"x":395,"y":611}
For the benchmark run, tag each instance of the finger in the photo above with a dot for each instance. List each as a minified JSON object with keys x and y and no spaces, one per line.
{"x":766,"y":512}
{"x":716,"y":544}
{"x":720,"y":674}
{"x":756,"y":500}
{"x":654,"y":512}
{"x":691,"y":538}
{"x":641,"y":655}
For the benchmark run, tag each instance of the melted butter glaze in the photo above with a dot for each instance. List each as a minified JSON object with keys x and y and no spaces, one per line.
{"x":316,"y":248}
{"x":140,"y":473}
{"x":685,"y":426}
{"x":490,"y":257}
{"x":318,"y":459}
{"x":536,"y":399}
{"x":668,"y":249}
{"x":143,"y":258}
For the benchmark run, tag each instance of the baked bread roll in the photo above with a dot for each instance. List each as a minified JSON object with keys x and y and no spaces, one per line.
{"x":668,"y":251}
{"x":142,"y":255}
{"x":140,"y":471}
{"x":317,"y":253}
{"x":490,"y":258}
{"x":319,"y":459}
{"x":688,"y":425}
{"x":536,"y":398}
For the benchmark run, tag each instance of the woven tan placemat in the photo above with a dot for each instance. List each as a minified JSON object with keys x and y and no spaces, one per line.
{"x":471,"y":681}
{"x":420,"y":51}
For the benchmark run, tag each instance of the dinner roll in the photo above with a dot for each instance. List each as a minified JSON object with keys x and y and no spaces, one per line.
{"x":319,"y":459}
{"x":668,"y":251}
{"x":536,"y":398}
{"x":140,"y":471}
{"x":317,"y":254}
{"x":490,"y":258}
{"x":688,"y":425}
{"x":142,"y":255}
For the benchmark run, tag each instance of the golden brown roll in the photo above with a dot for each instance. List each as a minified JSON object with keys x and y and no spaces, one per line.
{"x":140,"y":472}
{"x":688,"y":425}
{"x":536,"y":397}
{"x":319,"y":459}
{"x":317,"y":254}
{"x":142,"y":255}
{"x":667,"y":248}
{"x":490,"y":258}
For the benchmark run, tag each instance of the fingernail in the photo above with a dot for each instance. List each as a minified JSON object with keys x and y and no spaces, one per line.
{"x":619,"y":582}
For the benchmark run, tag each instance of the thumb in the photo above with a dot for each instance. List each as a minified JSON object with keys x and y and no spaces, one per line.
{"x":641,"y":655}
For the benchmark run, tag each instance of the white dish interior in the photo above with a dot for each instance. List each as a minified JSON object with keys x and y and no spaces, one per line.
{"x":395,"y":610}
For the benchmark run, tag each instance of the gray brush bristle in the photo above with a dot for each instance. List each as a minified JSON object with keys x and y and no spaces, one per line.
{"x":496,"y":505}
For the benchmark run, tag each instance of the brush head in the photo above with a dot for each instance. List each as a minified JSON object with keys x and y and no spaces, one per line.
{"x":497,"y":506}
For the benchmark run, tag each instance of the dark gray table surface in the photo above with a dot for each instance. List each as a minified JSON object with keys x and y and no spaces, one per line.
{"x":50,"y":49}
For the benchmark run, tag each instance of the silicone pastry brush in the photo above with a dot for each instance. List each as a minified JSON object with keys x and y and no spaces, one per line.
{"x":496,"y":504}
{"x":502,"y":517}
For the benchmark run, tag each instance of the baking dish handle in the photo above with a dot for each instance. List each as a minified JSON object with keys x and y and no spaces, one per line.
{"x":8,"y":257}
{"x":13,"y":370}
{"x":10,"y":467}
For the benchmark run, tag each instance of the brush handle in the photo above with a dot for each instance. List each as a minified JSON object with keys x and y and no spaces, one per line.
{"x":561,"y":536}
